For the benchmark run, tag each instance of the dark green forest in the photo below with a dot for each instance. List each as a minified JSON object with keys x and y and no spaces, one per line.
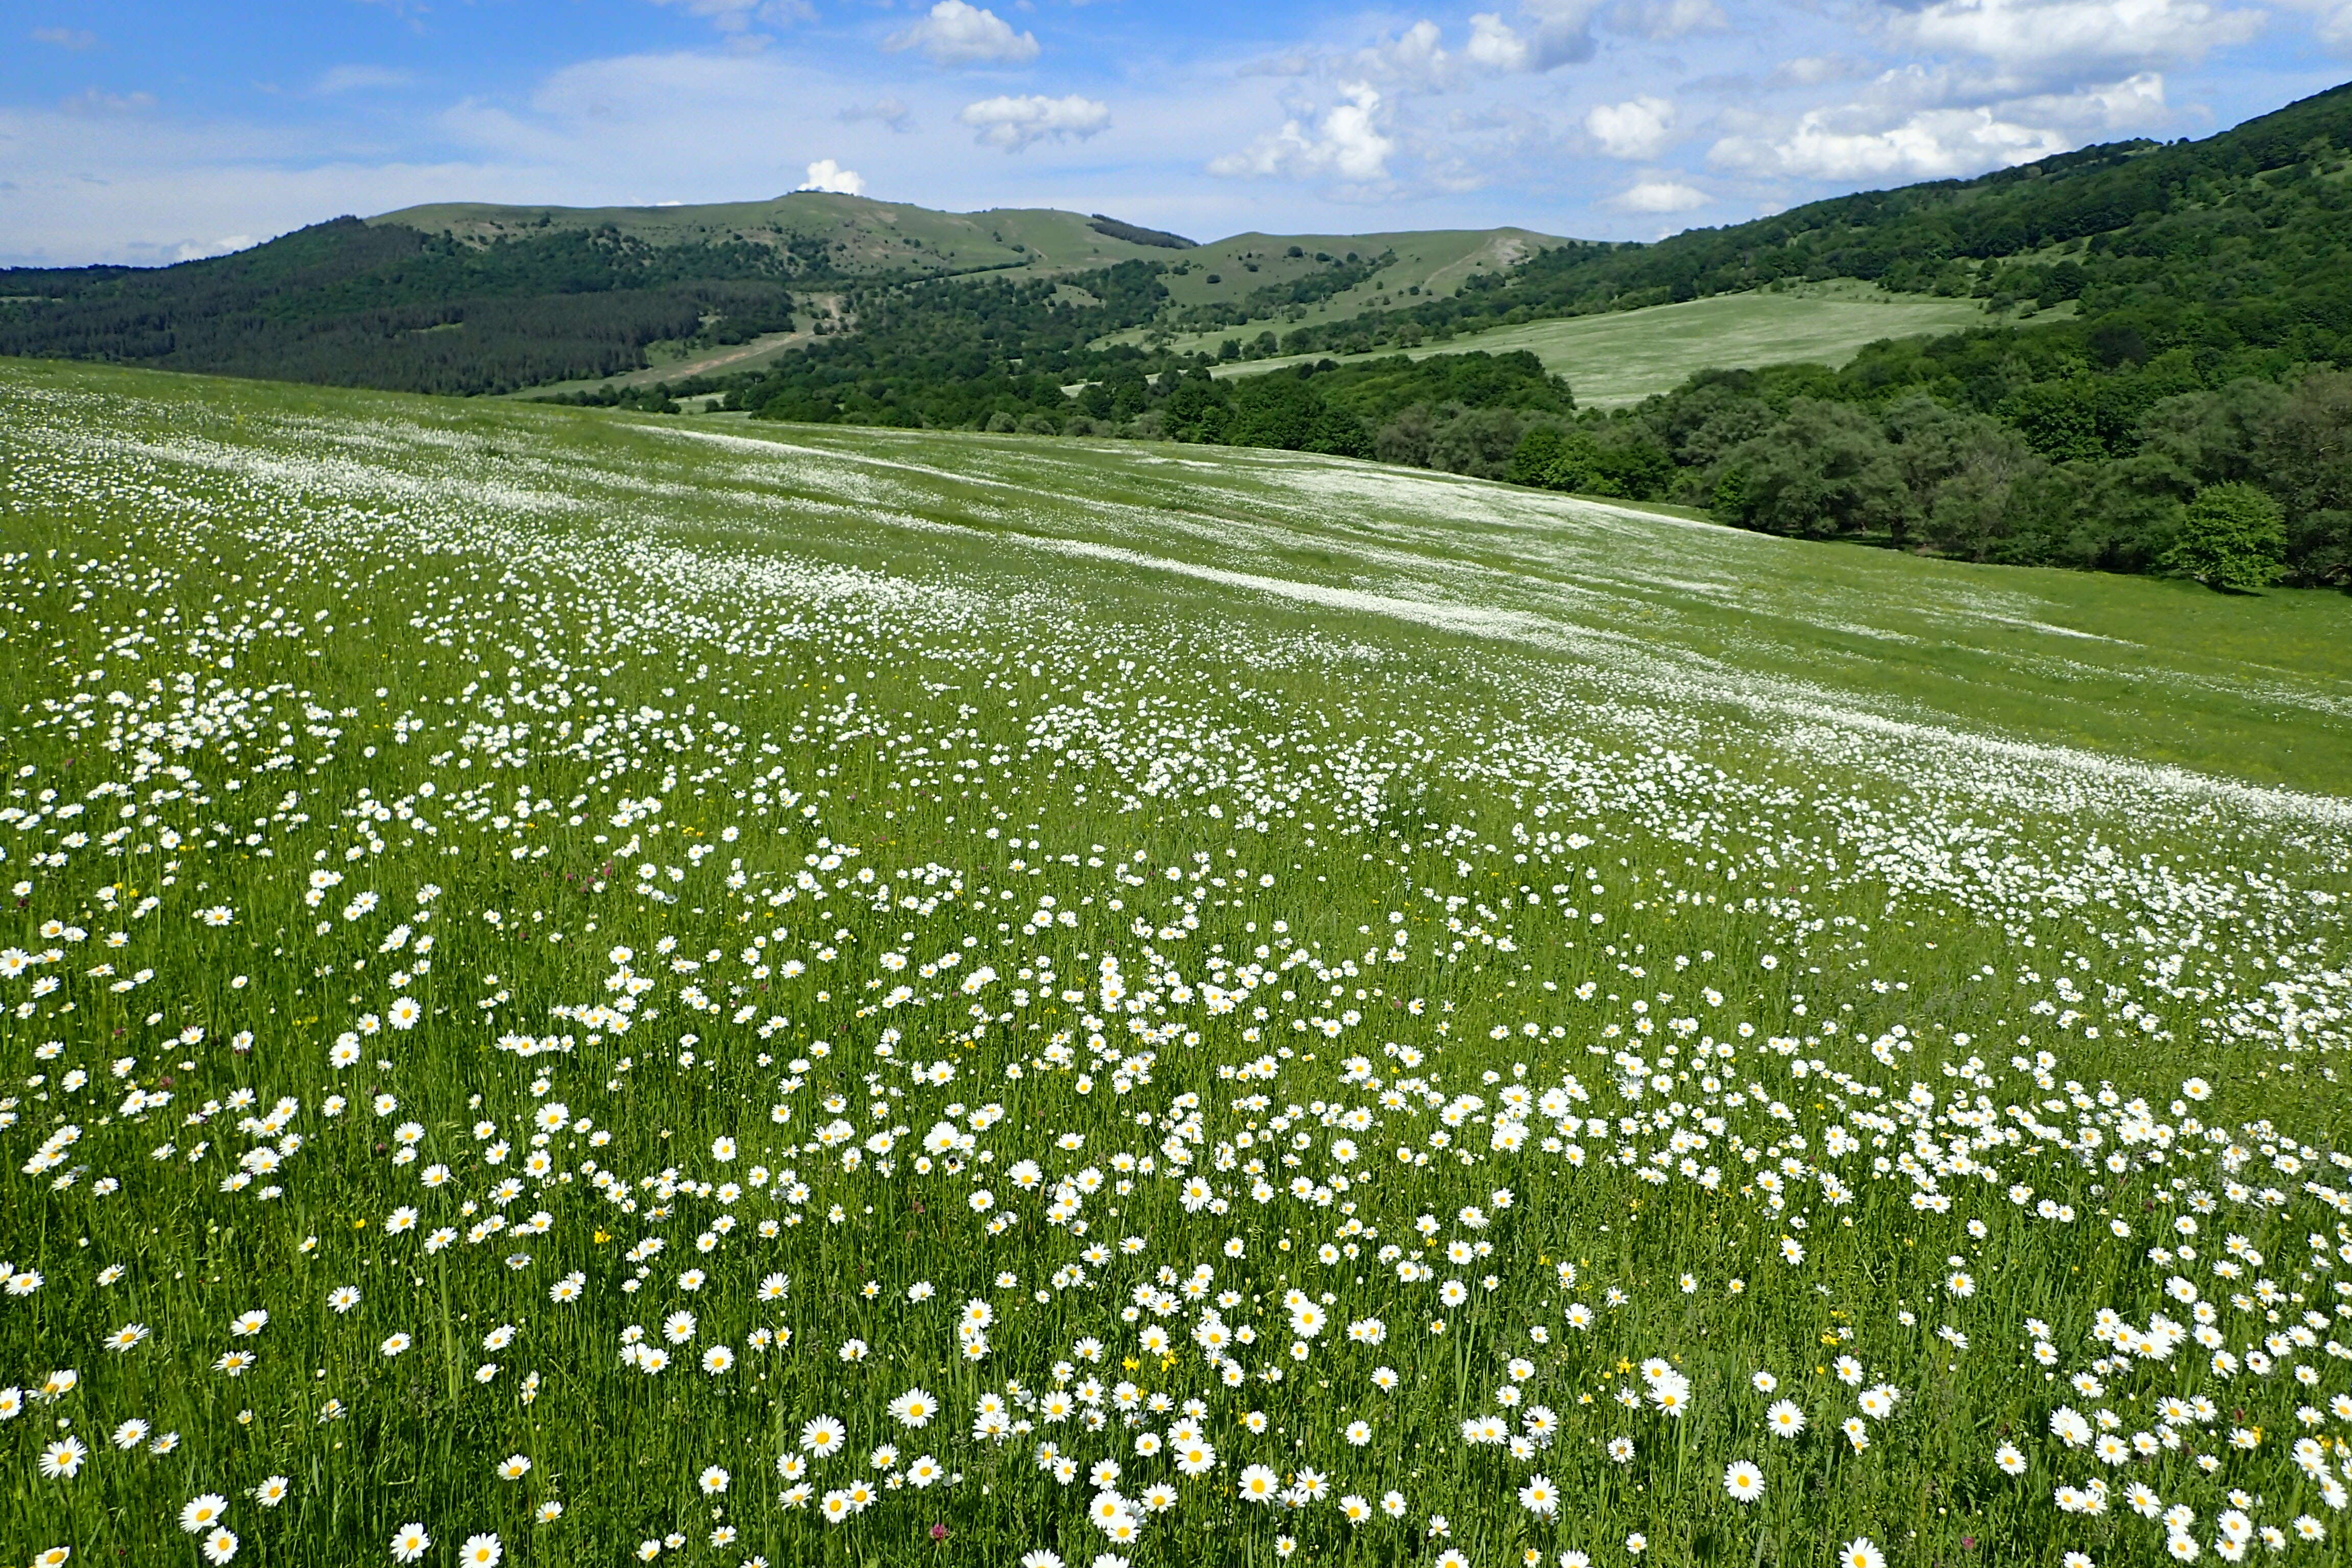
{"x":351,"y":304}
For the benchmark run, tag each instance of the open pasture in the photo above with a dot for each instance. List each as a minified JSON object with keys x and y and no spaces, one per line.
{"x":1624,"y":356}
{"x":580,"y":990}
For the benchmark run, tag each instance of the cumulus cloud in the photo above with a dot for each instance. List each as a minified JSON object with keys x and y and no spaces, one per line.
{"x":958,"y":33}
{"x":1347,"y":142}
{"x":1558,"y":32}
{"x":1013,"y":123}
{"x":1638,"y":129}
{"x":1416,"y":55}
{"x":1934,"y":143}
{"x":1659,"y":196}
{"x":1496,"y":44}
{"x":2048,"y":40}
{"x":825,"y":174}
{"x":1922,"y":124}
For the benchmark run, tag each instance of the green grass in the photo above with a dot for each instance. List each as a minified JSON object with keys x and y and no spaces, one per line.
{"x":1625,"y":357}
{"x":486,"y":794}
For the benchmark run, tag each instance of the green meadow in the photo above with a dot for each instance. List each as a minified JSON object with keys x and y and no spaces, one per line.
{"x":581,"y":989}
{"x":1620,"y":357}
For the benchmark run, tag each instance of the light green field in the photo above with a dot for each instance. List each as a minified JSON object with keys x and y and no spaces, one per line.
{"x":1625,"y":356}
{"x":579,"y":986}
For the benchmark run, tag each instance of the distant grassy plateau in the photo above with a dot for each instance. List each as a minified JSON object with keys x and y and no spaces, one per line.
{"x":1624,"y":356}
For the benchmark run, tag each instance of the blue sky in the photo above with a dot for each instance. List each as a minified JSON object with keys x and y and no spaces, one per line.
{"x":136,"y":130}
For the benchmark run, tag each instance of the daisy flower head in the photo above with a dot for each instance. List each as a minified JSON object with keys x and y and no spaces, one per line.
{"x":823,"y":1437}
{"x":201,"y":1513}
{"x":1861,"y":1552}
{"x":220,"y":1546}
{"x":1784,"y":1419}
{"x":1744,"y":1481}
{"x":62,"y":1459}
{"x":481,"y":1551}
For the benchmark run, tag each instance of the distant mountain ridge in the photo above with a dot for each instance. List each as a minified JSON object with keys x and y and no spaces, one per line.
{"x":472,"y":298}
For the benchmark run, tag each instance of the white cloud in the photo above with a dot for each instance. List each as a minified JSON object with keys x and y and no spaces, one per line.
{"x":1813,"y":71}
{"x":2044,"y":40}
{"x":1659,"y":196}
{"x":2331,"y":19}
{"x":1416,"y":55}
{"x":360,"y":78}
{"x":1013,"y":123}
{"x":825,"y":174}
{"x":958,"y":33}
{"x":1559,"y":32}
{"x":1917,"y":123}
{"x":66,"y":37}
{"x":1934,"y":143}
{"x":1497,"y":45}
{"x":1638,"y":129}
{"x":1347,"y":142}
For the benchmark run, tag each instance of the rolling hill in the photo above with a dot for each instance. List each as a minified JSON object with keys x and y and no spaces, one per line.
{"x":468,"y":298}
{"x":884,"y":928}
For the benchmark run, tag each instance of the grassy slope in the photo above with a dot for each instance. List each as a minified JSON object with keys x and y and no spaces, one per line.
{"x":1625,"y":357}
{"x":1384,"y":691}
{"x":2258,"y":688}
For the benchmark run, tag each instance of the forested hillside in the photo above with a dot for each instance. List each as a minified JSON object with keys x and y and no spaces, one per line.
{"x":350,"y":303}
{"x":2243,"y":237}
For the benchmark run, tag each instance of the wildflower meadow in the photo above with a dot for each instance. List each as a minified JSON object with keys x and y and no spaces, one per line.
{"x":576,"y":991}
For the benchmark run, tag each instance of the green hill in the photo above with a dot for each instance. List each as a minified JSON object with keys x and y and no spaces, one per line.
{"x":472,"y":297}
{"x":576,"y":979}
{"x":854,"y":236}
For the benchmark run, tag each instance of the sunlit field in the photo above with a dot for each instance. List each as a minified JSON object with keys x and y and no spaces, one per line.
{"x":578,"y":991}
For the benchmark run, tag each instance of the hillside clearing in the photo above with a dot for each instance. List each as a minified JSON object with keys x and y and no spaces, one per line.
{"x":1621,"y":357}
